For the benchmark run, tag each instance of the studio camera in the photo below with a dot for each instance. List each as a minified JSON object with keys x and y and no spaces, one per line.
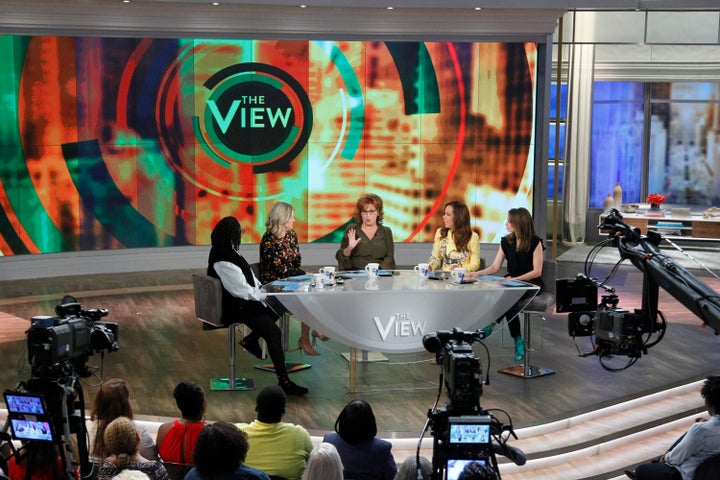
{"x":465,"y":436}
{"x":69,"y":338}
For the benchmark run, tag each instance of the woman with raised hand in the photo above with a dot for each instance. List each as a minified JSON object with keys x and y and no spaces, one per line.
{"x":367,"y":240}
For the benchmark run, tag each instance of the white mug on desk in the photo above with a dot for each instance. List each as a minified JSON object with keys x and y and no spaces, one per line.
{"x":319,"y":280}
{"x":457,"y":274}
{"x":329,"y":273}
{"x":372,"y":269}
{"x":422,"y":269}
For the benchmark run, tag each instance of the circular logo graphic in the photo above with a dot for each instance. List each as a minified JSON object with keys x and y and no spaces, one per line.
{"x":255,"y":114}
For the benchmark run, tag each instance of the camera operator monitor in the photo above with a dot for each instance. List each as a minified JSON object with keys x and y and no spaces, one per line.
{"x":28,"y":416}
{"x":455,"y":466}
{"x":469,"y":430}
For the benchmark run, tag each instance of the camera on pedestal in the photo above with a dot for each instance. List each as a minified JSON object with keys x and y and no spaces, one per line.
{"x":49,"y":407}
{"x":462,"y":431}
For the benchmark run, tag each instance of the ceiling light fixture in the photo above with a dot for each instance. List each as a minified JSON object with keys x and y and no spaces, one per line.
{"x":215,"y":4}
{"x":477,"y":9}
{"x":390,"y":8}
{"x":303,"y":6}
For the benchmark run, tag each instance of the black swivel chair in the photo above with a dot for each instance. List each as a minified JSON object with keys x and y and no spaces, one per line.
{"x":208,"y":309}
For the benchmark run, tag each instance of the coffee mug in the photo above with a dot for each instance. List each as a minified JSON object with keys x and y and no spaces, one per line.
{"x":372,"y":269}
{"x":422,"y":269}
{"x":457,"y":274}
{"x":329,"y":273}
{"x":319,"y":280}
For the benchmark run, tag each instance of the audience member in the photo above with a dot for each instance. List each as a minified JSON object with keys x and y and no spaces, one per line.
{"x":129,"y":474}
{"x":113,"y":401}
{"x":280,"y":258}
{"x":409,"y":469}
{"x":244,"y":301}
{"x":523,"y":250}
{"x":122,"y":441}
{"x":364,"y":456}
{"x":367,"y":240}
{"x":176,"y":440}
{"x":220,"y":455}
{"x":455,"y":244}
{"x":324,"y":463}
{"x":277,"y":448}
{"x":478,"y":471}
{"x":699,"y":443}
{"x":37,"y":461}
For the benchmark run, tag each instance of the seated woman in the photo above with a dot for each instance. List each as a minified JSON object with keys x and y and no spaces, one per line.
{"x":324,"y":463}
{"x":220,"y":454}
{"x":364,"y":456}
{"x":176,"y":440}
{"x":409,"y":469}
{"x":123,"y":442}
{"x":455,"y":244}
{"x":243,"y":301}
{"x":367,"y":240}
{"x":280,"y":258}
{"x":36,"y":461}
{"x":523,"y":250}
{"x":113,"y":401}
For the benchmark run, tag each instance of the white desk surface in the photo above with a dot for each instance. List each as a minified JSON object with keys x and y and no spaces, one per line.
{"x":392,"y":313}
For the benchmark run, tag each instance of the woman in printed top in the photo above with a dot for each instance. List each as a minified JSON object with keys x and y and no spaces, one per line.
{"x":176,"y":440}
{"x":244,"y":302}
{"x":455,"y":244}
{"x":280,"y":258}
{"x":523,"y":250}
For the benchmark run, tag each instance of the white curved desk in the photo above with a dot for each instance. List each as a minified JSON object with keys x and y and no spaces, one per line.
{"x":391,"y":314}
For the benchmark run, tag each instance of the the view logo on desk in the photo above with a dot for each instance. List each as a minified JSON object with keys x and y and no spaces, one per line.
{"x":401,"y":325}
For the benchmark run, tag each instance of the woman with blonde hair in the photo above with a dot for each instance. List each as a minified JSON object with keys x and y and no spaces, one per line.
{"x":122,"y":441}
{"x":324,"y":463}
{"x":280,"y":258}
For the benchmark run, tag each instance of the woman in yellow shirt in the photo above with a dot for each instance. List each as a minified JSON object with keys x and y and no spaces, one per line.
{"x":455,"y":245}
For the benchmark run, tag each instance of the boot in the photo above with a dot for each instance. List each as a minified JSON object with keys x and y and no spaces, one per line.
{"x":488,"y":329}
{"x":519,"y":348}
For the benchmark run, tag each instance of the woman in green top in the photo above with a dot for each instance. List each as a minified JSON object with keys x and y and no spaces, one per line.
{"x":367,"y":240}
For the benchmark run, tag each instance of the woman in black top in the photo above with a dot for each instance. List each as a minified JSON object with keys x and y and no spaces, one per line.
{"x":523,"y":250}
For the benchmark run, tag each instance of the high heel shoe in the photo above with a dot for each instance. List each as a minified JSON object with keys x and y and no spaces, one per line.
{"x":305,"y":346}
{"x":317,"y":335}
{"x":519,"y":349}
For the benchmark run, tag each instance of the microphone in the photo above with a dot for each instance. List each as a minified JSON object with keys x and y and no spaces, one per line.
{"x":513,"y":453}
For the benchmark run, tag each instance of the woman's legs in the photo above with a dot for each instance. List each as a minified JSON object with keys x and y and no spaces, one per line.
{"x":513,"y":326}
{"x":263,"y":326}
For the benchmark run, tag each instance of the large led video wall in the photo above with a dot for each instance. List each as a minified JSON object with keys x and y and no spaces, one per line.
{"x":121,"y":143}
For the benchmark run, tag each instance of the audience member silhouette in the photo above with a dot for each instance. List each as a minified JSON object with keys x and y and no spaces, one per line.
{"x":176,"y":440}
{"x":698,"y":444}
{"x":276,"y":447}
{"x":409,"y":469}
{"x":122,"y":441}
{"x":364,"y":456}
{"x":220,"y":454}
{"x":113,"y":401}
{"x":324,"y":463}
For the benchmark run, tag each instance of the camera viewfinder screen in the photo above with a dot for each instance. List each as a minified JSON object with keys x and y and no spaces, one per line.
{"x":469,"y":433}
{"x":24,"y":404}
{"x":31,"y":429}
{"x":455,"y":466}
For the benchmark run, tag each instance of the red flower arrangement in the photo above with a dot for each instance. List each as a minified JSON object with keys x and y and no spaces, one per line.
{"x":655,"y":199}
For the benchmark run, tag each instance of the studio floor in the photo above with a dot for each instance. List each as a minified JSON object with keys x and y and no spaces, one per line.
{"x":161,"y":343}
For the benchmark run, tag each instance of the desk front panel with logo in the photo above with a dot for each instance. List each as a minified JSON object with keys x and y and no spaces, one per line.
{"x":392,"y":313}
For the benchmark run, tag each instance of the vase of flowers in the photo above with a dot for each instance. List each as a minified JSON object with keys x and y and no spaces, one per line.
{"x":655,"y":199}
